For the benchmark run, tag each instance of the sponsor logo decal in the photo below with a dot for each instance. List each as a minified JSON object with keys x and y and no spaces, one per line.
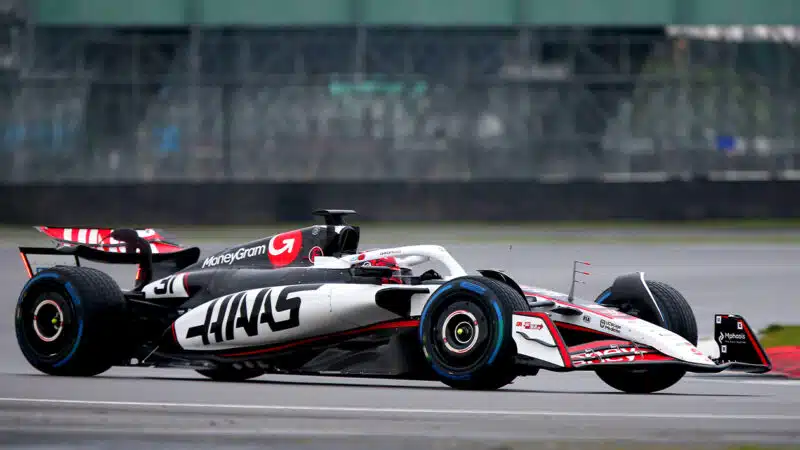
{"x":610,"y":326}
{"x":171,"y":286}
{"x":234,"y":256}
{"x":249,"y":310}
{"x":611,"y":355}
{"x":586,"y":318}
{"x":284,"y":248}
{"x":528,"y":325}
{"x":314,"y":252}
{"x":731,"y":337}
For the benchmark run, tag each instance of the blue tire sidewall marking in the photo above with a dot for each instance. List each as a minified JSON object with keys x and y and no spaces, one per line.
{"x":74,"y":297}
{"x":500,"y":322}
{"x":500,"y":329}
{"x":473,"y":287}
{"x":34,"y":280}
{"x":74,"y":347}
{"x":77,"y":301}
{"x":428,"y":306}
{"x":449,"y":375}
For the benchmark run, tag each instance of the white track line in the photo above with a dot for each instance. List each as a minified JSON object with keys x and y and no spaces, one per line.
{"x":721,"y":379}
{"x":407,"y":411}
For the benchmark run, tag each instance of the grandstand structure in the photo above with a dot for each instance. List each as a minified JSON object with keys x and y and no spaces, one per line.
{"x":112,"y":104}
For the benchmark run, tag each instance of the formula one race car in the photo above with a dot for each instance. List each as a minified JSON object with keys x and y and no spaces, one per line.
{"x":310,"y":302}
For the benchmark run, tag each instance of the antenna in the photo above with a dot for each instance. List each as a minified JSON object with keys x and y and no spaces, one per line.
{"x":574,"y":272}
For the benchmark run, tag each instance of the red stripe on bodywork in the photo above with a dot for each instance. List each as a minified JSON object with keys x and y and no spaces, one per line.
{"x":367,"y":329}
{"x":646,"y":357}
{"x":27,"y":264}
{"x":599,"y":344}
{"x":103,"y":235}
{"x":562,"y":347}
{"x":754,"y":343}
{"x":642,"y":356}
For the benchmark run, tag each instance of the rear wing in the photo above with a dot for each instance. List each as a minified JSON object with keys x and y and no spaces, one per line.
{"x":103,"y":238}
{"x":145,"y":248}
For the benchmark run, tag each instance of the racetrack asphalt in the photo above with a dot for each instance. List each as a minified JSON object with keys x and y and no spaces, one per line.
{"x":134,"y":408}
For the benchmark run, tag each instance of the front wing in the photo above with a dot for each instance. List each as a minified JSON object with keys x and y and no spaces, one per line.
{"x":540,"y":345}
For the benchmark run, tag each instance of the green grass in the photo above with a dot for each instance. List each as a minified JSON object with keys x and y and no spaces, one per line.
{"x":780,"y":335}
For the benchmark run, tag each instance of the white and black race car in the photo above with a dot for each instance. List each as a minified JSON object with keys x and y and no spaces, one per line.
{"x":310,"y":302}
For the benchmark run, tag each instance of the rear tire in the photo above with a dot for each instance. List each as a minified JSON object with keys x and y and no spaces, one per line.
{"x":71,"y":321}
{"x":465,"y":329}
{"x":678,"y":318}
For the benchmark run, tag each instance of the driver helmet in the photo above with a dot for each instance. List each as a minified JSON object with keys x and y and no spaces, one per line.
{"x":387,"y":261}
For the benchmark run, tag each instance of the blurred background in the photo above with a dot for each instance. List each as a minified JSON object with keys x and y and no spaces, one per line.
{"x":243,"y":111}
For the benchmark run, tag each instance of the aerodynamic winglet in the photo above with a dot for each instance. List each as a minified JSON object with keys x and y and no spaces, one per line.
{"x":738,"y":344}
{"x":539,"y":343}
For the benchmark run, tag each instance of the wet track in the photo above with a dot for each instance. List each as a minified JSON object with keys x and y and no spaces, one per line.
{"x":128,"y":405}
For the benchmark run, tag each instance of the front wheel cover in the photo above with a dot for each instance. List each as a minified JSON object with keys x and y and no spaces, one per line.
{"x":484,"y":343}
{"x":679,"y":319}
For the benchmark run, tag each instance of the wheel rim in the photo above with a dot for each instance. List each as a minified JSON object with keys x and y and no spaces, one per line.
{"x":48,"y":320}
{"x":47,"y":325}
{"x":461,"y":336}
{"x":460,"y":331}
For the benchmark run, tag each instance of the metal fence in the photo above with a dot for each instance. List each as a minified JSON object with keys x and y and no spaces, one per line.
{"x":359,"y":104}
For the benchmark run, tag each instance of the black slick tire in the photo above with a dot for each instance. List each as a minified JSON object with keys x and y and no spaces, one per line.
{"x":480,"y":356}
{"x":678,"y":318}
{"x":71,"y":321}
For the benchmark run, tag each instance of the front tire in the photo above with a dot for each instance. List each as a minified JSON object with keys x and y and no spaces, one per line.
{"x":679,"y":318}
{"x":70,"y":321}
{"x":465,"y":329}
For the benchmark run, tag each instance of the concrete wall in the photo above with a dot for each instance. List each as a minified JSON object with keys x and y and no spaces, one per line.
{"x":249,"y":204}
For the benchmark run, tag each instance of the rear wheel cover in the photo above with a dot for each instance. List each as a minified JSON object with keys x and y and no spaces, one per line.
{"x":72,"y":321}
{"x":48,"y":324}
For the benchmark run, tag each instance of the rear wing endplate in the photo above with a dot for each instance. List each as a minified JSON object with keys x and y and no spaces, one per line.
{"x":143,"y":257}
{"x":185,"y":256}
